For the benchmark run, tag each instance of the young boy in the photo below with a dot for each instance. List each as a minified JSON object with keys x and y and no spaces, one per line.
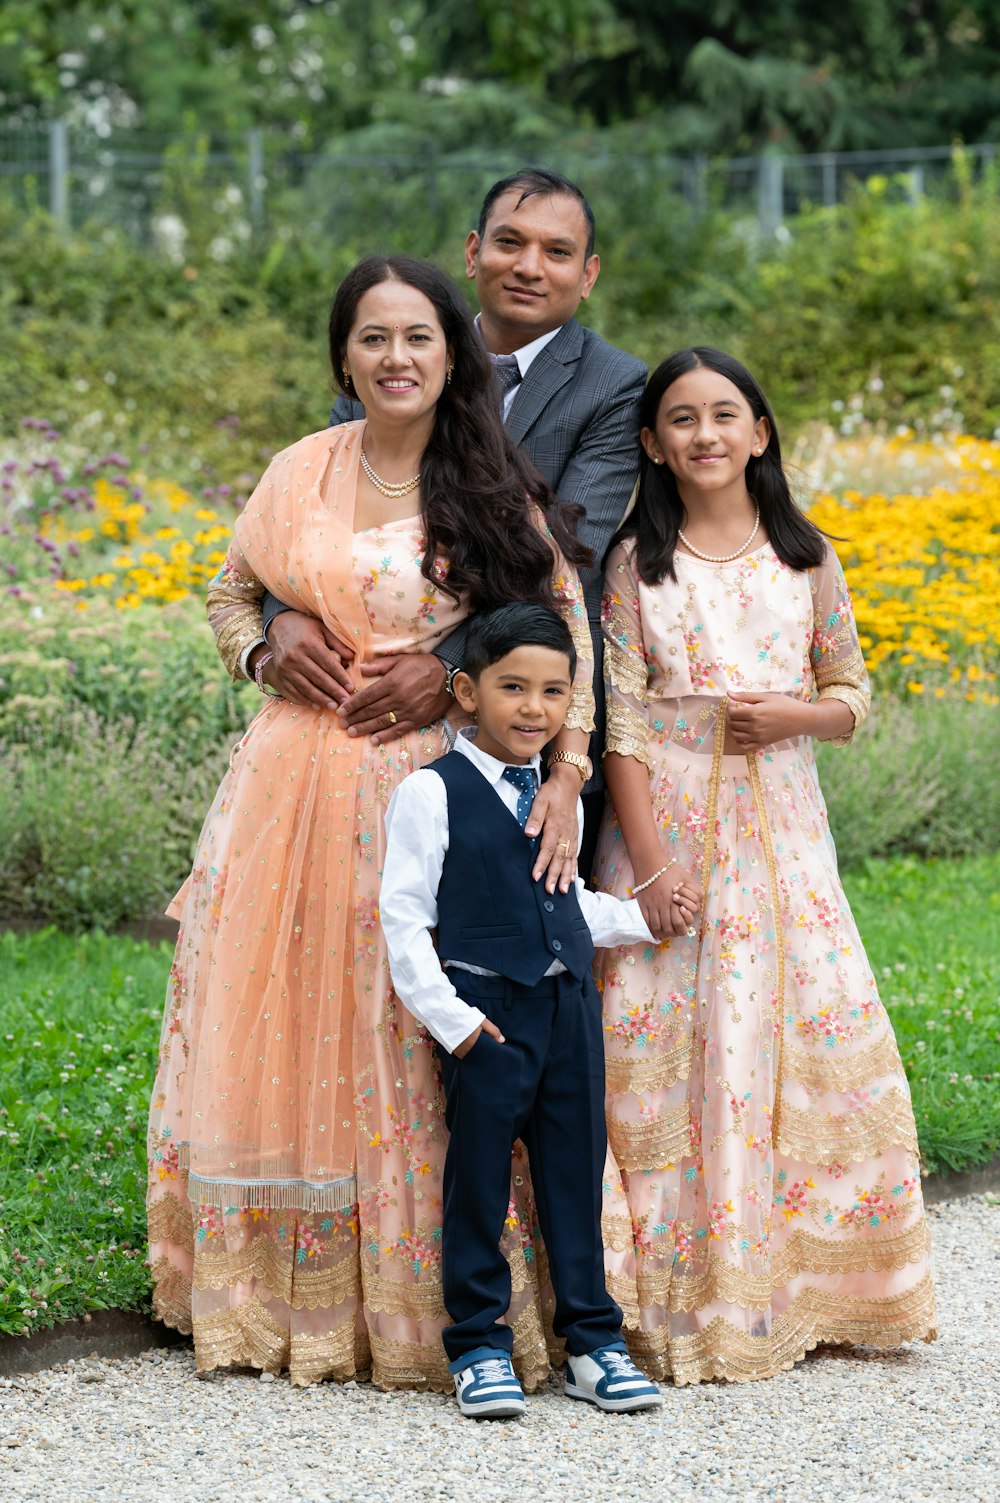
{"x":509,"y":997}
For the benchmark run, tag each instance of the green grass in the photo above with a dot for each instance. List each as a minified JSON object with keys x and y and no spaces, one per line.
{"x":79,"y":1029}
{"x":79,"y":1025}
{"x":932,"y":932}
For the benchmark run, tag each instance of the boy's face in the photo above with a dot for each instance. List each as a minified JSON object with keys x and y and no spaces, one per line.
{"x":520,"y":702}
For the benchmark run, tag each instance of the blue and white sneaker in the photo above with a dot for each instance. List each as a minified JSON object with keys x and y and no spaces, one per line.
{"x":488,"y":1389}
{"x":610,"y":1379}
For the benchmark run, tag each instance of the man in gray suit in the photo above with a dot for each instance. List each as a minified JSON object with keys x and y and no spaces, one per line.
{"x":570,"y":399}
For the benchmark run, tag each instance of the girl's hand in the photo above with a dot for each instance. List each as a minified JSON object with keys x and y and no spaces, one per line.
{"x":670,"y":904}
{"x":685,"y":902}
{"x":756,"y":720}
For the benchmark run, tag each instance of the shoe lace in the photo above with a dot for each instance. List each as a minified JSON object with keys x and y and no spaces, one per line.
{"x":493,"y":1369}
{"x":620,"y":1365}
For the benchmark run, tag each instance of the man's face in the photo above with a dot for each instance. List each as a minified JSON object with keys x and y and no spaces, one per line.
{"x":530,"y":268}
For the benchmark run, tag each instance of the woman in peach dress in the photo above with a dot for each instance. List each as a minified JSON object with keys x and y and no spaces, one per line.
{"x":757,"y":1107}
{"x":296,"y":1129}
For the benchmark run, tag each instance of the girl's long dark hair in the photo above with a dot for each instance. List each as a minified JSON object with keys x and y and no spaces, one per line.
{"x":476,"y":487}
{"x":659,"y":513}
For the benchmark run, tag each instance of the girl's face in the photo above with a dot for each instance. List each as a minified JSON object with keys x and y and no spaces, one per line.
{"x":706,"y":432}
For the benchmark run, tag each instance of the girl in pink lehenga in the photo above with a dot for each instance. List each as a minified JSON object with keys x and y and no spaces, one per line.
{"x":296,"y":1130}
{"x":757,"y":1107}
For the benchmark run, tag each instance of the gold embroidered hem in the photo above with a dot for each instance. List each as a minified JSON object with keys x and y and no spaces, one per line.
{"x":819,"y":1072}
{"x":652,"y":1142}
{"x":682,"y":1288}
{"x":627,"y":733}
{"x":723,"y":1349}
{"x":301,"y":1287}
{"x":171,"y":1296}
{"x":651,"y":1071}
{"x":625,"y":671}
{"x":817,"y":1137}
{"x":169,"y":1220}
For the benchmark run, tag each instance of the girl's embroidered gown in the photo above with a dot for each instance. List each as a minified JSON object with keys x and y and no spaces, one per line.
{"x":758,"y":1113}
{"x":296,"y":1135}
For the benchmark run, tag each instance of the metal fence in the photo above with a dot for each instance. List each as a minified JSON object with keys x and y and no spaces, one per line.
{"x":127,"y":177}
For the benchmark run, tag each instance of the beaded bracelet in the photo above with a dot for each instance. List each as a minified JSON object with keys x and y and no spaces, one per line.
{"x":258,"y":673}
{"x":654,"y":878}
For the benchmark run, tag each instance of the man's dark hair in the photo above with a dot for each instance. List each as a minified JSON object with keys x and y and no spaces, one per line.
{"x":534,"y":181}
{"x":493,"y":634}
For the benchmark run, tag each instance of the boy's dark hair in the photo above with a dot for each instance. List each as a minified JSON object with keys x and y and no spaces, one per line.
{"x":658,"y":514}
{"x":493,"y":634}
{"x":535,"y":181}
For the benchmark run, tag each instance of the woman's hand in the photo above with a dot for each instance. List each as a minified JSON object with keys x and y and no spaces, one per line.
{"x":554,"y":814}
{"x":310,"y":664}
{"x":754,"y":721}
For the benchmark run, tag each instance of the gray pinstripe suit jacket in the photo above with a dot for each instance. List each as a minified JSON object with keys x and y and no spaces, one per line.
{"x":576,"y":416}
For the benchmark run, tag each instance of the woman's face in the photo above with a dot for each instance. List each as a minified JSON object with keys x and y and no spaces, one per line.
{"x":705,"y":431}
{"x":396,"y":353}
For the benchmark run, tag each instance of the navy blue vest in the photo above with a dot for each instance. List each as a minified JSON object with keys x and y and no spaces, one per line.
{"x":490,"y":912}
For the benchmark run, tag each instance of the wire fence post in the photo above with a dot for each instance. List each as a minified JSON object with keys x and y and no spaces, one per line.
{"x":59,"y":174}
{"x":770,"y":193}
{"x":829,"y":179}
{"x":255,"y":178}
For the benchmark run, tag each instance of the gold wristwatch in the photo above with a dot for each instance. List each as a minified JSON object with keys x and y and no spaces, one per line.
{"x":583,"y":764}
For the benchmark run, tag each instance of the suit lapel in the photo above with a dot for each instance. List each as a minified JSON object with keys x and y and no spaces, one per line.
{"x":549,"y":371}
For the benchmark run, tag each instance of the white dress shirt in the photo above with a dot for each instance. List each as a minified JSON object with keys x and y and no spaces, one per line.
{"x":524,"y":356}
{"x":416,"y":823}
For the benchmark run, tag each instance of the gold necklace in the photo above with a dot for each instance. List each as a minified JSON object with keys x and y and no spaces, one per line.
{"x":711,"y":558}
{"x":389,"y":487}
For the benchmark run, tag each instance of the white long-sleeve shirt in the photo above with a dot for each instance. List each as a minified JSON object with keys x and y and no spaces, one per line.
{"x":416,"y":825}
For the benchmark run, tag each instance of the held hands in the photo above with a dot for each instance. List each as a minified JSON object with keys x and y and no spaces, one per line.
{"x":554,"y":814}
{"x":462,"y":1049}
{"x":669,"y":904}
{"x":757,"y":720}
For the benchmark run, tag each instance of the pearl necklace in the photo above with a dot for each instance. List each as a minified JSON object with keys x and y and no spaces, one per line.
{"x":389,"y":487}
{"x":710,"y":558}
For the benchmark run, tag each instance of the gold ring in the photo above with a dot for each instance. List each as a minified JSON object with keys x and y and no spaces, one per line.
{"x":564,"y":845}
{"x":392,"y":718}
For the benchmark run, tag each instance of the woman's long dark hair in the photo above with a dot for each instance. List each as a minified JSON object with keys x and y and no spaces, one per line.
{"x":658,"y":514}
{"x":476,"y":487}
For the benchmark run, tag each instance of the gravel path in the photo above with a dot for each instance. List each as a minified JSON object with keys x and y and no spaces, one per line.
{"x":921,"y":1423}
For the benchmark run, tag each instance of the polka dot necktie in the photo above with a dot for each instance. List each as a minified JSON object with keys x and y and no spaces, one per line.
{"x":507,"y":373}
{"x":523,"y":779}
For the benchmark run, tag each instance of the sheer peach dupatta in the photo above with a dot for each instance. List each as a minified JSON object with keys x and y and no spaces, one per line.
{"x":254,"y":1224}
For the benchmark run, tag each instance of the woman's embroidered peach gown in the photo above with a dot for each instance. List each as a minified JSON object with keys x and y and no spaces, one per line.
{"x":296,"y":1135}
{"x":757,"y":1107}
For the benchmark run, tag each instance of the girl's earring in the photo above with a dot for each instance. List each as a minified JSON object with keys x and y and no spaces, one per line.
{"x":447,"y":378}
{"x":346,"y":378}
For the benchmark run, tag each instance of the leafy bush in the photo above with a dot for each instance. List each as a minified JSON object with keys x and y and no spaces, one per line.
{"x":919,"y":778}
{"x":101,"y":831}
{"x":155,"y":668}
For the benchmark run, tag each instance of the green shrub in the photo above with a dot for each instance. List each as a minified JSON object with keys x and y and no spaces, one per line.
{"x":156,"y":667}
{"x":917,"y":779}
{"x":99,"y":832}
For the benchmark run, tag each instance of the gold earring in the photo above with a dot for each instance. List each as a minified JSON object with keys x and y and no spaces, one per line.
{"x":346,"y":378}
{"x":447,"y":378}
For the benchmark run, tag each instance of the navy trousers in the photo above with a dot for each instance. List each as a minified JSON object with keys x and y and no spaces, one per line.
{"x":545,"y":1085}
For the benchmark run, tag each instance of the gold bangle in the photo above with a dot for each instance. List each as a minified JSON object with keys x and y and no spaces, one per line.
{"x":577,"y":760}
